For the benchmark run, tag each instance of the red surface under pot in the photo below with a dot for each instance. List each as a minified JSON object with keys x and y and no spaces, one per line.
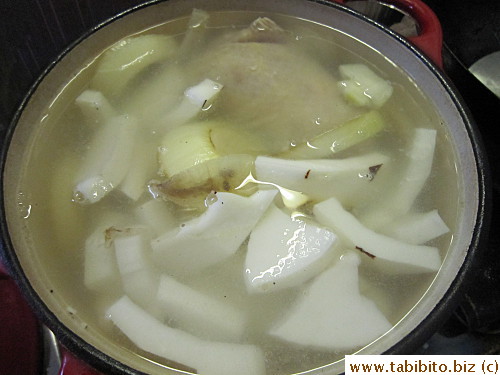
{"x":71,"y":365}
{"x":21,"y":349}
{"x":20,"y":335}
{"x":20,"y":345}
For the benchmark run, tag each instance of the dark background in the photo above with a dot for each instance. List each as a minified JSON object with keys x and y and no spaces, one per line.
{"x":34,"y":32}
{"x":471,"y":30}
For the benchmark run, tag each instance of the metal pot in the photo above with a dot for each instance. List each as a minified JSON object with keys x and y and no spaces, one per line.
{"x":441,"y":297}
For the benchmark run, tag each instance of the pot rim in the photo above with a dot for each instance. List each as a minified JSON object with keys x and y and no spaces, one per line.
{"x":103,"y":362}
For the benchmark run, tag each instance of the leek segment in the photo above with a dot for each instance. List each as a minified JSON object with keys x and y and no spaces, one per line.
{"x":333,"y":141}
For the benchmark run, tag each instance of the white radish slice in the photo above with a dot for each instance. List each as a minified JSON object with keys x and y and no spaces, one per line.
{"x":100,"y":268}
{"x":198,"y":313}
{"x":139,"y":278}
{"x":142,"y":169}
{"x":214,"y":235}
{"x":350,"y":179}
{"x":401,"y":197}
{"x":203,"y":91}
{"x":284,"y":252}
{"x":291,"y":199}
{"x":408,"y":258}
{"x":95,"y":107}
{"x":101,"y":272}
{"x":195,"y":99}
{"x":206,"y":357}
{"x":107,"y":160}
{"x":152,"y":100}
{"x":331,"y":314}
{"x":195,"y":35}
{"x":417,"y":228}
{"x":156,"y":214}
{"x":363,"y":87}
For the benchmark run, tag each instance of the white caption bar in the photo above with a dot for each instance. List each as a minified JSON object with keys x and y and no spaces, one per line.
{"x":422,"y":364}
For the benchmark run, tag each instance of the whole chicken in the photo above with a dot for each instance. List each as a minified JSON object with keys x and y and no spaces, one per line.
{"x":272,"y":90}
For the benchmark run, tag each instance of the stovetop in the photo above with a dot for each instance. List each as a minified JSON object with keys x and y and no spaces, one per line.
{"x":471,"y":29}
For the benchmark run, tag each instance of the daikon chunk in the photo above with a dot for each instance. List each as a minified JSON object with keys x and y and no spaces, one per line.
{"x":206,"y":357}
{"x":156,"y":214}
{"x":408,"y":258}
{"x":417,"y":228}
{"x":291,"y":199}
{"x":139,"y":278}
{"x":194,"y":39}
{"x":95,"y":107}
{"x":101,"y":272}
{"x":351,"y":180}
{"x":141,"y":170}
{"x":107,"y":160}
{"x":195,"y":99}
{"x":361,"y":86}
{"x":152,"y":100}
{"x":401,"y":196}
{"x":214,"y":235}
{"x":284,"y":251}
{"x":332,"y":314}
{"x":199,"y":314}
{"x":100,"y":268}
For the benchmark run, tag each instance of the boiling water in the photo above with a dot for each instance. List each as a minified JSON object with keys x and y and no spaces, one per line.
{"x":60,"y":225}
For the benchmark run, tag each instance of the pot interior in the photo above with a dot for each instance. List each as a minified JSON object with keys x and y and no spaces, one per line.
{"x":48,"y":229}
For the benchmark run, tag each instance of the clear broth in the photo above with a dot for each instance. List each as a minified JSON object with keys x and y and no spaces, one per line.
{"x":59,"y":227}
